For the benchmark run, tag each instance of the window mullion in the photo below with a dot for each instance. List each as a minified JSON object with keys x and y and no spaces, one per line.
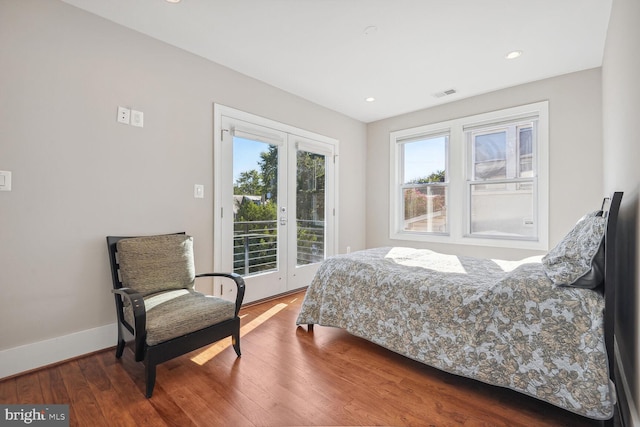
{"x":512,"y":155}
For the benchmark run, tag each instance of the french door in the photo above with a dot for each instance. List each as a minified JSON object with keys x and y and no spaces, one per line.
{"x":274,"y":195}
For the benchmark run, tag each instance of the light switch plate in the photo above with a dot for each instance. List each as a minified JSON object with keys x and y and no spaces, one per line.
{"x":137,"y":118}
{"x":198,"y":191}
{"x":5,"y":181}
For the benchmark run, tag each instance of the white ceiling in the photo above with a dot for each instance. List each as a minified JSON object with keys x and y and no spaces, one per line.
{"x":320,"y":49}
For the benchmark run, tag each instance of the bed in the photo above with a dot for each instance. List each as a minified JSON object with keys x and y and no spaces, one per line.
{"x":542,"y":326}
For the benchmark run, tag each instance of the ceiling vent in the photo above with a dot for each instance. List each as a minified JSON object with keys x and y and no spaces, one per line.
{"x":444,"y":93}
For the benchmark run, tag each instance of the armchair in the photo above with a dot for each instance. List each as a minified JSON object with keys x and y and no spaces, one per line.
{"x":157,"y":304}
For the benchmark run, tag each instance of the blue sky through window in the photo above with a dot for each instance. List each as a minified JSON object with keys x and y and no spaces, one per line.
{"x":424,"y":157}
{"x":246,"y":155}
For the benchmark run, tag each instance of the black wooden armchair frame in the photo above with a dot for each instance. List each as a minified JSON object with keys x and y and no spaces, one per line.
{"x":153,"y":355}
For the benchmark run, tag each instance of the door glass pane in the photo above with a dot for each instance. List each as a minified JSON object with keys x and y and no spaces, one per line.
{"x":504,"y":210}
{"x":255,"y":206}
{"x":310,"y":207}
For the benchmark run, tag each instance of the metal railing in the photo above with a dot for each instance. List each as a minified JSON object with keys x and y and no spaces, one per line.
{"x":255,"y":245}
{"x":310,"y":242}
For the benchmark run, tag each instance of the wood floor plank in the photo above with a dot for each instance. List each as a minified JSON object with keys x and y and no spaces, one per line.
{"x":282,"y":356}
{"x":389,"y":388}
{"x":133,"y":400}
{"x":285,"y":391}
{"x":52,"y":386}
{"x":196,"y":394}
{"x":9,"y":392}
{"x":286,"y":376}
{"x":106,"y":395}
{"x":55,"y":392}
{"x":262,"y":388}
{"x":28,"y":389}
{"x":86,"y":408}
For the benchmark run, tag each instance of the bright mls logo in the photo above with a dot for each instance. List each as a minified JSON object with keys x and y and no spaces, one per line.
{"x":37,"y":415}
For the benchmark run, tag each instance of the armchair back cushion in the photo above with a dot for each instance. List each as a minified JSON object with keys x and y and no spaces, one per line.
{"x":154,"y":264}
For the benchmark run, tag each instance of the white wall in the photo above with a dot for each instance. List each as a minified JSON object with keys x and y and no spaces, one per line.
{"x":621,"y":154}
{"x":78,"y":175}
{"x":575,"y":144}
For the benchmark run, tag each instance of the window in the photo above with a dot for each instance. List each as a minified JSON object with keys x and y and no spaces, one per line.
{"x":501,"y":181}
{"x":480,"y":180}
{"x":424,"y":184}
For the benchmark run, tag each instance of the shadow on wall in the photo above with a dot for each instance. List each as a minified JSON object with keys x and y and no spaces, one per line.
{"x":627,"y":289}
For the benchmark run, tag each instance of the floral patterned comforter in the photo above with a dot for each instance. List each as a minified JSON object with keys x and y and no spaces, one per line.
{"x":500,"y":322}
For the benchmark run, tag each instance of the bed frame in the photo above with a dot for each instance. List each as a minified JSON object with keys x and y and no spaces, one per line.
{"x":611,"y":286}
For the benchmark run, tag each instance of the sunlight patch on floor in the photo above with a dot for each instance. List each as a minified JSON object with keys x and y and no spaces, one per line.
{"x":213,"y":350}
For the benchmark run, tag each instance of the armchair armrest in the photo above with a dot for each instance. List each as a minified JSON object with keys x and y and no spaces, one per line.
{"x":239,"y":284}
{"x":139,"y":318}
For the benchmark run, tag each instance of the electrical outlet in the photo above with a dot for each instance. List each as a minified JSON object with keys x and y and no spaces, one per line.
{"x":124,"y":115}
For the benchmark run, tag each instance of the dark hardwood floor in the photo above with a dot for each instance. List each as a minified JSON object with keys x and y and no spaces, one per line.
{"x":285,"y":377}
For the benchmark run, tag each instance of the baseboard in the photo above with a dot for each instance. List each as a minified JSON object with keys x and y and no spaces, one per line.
{"x":274,"y":297}
{"x":36,"y":355}
{"x":625,"y":398}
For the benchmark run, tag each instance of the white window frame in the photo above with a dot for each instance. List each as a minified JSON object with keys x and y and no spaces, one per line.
{"x":422,"y":134}
{"x":458,"y":175}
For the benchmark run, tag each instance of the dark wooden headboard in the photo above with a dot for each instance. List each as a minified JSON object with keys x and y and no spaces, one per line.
{"x":610,"y":286}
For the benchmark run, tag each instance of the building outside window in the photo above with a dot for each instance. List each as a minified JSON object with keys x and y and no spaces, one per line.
{"x":502,"y":180}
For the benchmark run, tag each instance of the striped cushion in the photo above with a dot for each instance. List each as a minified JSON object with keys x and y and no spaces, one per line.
{"x":157,"y":263}
{"x":175,"y":313}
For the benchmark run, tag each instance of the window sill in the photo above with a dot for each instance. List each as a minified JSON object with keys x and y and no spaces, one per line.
{"x":471,"y":241}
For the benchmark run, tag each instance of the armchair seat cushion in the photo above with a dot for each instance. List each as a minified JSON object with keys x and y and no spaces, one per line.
{"x":175,"y":313}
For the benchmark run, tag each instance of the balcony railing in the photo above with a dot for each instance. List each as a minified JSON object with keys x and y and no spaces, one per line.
{"x":310,"y":242}
{"x":255,"y":245}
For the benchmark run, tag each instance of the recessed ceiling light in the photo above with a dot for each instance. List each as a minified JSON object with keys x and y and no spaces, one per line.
{"x":173,"y":1}
{"x":370,"y":99}
{"x":513,"y":54}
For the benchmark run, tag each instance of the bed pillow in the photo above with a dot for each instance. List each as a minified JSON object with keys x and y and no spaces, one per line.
{"x":578,"y":260}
